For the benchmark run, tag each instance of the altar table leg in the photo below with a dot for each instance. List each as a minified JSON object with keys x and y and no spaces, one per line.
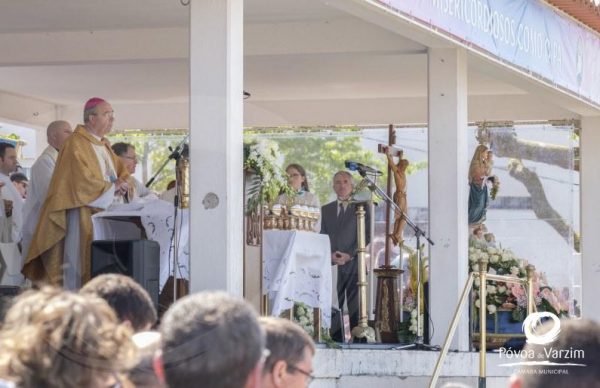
{"x":317,"y":324}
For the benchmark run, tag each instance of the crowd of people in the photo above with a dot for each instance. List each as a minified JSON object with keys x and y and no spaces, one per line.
{"x":106,"y":335}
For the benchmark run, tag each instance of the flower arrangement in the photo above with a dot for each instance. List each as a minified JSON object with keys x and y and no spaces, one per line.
{"x":512,"y":296}
{"x":270,"y":180}
{"x":495,"y":186}
{"x":303,"y":316}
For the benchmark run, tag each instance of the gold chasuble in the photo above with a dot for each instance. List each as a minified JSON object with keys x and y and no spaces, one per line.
{"x":77,"y":181}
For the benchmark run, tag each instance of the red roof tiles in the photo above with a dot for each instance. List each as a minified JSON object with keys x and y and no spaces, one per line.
{"x":586,"y":11}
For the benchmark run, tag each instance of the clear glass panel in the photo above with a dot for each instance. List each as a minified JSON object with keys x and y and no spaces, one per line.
{"x":536,"y":211}
{"x":152,"y":151}
{"x":322,"y":152}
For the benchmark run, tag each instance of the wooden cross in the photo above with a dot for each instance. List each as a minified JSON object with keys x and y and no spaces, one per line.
{"x":383,"y":149}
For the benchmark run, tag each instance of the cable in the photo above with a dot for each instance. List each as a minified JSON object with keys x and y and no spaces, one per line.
{"x":178,"y":238}
{"x":171,"y":241}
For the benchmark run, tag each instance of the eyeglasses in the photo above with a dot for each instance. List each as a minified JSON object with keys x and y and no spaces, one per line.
{"x":109,"y":114}
{"x":134,"y":158}
{"x":309,"y":376}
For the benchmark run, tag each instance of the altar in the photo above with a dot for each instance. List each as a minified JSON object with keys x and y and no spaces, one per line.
{"x":297,"y":268}
{"x":151,"y":219}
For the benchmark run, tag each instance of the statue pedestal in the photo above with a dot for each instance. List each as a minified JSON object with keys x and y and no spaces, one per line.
{"x":387,"y":305}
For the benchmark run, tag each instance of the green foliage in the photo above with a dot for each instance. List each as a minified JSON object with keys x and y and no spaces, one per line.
{"x":327,"y":340}
{"x":322,"y":157}
{"x":405,"y":335}
{"x":416,"y":166}
{"x":518,"y":315}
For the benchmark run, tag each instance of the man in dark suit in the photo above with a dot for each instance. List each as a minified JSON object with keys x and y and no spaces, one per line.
{"x":338,"y":220}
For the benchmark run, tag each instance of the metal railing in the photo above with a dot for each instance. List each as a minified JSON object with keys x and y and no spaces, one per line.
{"x":484,"y":277}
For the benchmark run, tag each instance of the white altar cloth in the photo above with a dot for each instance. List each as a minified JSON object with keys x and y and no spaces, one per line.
{"x":297,"y":268}
{"x":157,"y":218}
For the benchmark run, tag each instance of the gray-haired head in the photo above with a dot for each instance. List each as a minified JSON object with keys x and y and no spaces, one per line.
{"x":289,"y":363}
{"x":57,"y":133}
{"x":343,"y":172}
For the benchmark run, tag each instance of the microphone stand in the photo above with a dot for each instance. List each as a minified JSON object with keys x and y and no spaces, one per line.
{"x":419,"y":343}
{"x":175,"y":155}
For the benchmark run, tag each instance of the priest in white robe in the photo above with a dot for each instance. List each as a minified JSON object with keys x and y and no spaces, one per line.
{"x":41,"y":173}
{"x":11,"y":219}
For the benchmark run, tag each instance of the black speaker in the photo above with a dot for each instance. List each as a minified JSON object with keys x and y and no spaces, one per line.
{"x":7,"y":294}
{"x":139,"y":259}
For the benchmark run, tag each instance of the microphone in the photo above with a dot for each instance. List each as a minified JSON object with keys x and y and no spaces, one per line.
{"x":361,"y":168}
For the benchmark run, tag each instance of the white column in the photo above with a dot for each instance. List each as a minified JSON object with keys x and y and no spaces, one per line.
{"x":590,"y":216}
{"x":448,"y":189}
{"x":216,"y":119}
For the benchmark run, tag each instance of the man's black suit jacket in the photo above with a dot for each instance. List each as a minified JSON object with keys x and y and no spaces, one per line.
{"x":342,"y":232}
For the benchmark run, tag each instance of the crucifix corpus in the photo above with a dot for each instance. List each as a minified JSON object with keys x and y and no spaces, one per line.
{"x":398,"y":172}
{"x":387,"y":306}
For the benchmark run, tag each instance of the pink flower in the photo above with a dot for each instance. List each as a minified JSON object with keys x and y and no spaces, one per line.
{"x":519,"y":293}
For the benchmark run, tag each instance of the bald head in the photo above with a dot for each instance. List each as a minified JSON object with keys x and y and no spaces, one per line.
{"x":57,"y":132}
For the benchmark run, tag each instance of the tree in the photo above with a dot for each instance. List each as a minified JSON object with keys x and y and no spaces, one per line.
{"x":541,"y":207}
{"x":324,"y":156}
{"x":507,"y":144}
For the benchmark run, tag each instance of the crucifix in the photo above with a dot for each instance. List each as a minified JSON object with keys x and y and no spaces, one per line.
{"x":390,"y":151}
{"x":387,"y":306}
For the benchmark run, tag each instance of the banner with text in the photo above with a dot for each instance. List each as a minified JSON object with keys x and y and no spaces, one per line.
{"x":525,"y":33}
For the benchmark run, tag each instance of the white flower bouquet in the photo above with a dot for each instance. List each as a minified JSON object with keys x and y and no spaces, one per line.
{"x":303,"y":316}
{"x":271,"y":180}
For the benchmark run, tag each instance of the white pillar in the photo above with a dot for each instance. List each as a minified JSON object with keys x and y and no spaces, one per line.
{"x":448,"y":190}
{"x":590,"y":216}
{"x":216,"y":119}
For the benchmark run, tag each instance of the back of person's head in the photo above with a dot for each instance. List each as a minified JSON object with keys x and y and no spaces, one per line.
{"x":143,"y":374}
{"x":130,"y":300}
{"x":212,"y":339}
{"x":577,"y":343}
{"x":53,"y":338}
{"x":289,"y":363}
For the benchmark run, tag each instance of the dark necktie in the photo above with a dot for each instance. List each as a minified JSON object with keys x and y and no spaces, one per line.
{"x":341,"y":212}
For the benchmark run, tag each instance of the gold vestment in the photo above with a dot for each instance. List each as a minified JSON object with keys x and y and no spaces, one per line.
{"x":77,"y":181}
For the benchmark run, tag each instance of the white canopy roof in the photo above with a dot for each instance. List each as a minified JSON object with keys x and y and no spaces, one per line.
{"x":307,"y":62}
